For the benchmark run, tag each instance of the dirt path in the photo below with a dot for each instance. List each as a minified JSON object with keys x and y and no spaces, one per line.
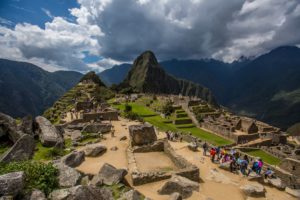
{"x":215,"y":183}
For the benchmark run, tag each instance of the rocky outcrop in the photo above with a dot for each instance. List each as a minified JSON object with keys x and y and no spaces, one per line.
{"x":68,"y":176}
{"x":110,"y":175}
{"x":23,"y":149}
{"x":95,"y":150}
{"x":253,"y":190}
{"x":26,"y":125}
{"x":142,"y":134}
{"x":97,"y":128}
{"x":8,"y":127}
{"x":277,"y":182}
{"x":131,"y":195}
{"x":74,"y":159}
{"x":48,"y":134}
{"x":12,"y":183}
{"x":81,"y":192}
{"x":183,"y":186}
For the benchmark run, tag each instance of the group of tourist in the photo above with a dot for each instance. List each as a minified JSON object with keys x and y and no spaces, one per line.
{"x":174,"y":136}
{"x":235,"y":161}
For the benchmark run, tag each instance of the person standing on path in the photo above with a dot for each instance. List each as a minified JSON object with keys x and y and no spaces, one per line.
{"x":205,"y":147}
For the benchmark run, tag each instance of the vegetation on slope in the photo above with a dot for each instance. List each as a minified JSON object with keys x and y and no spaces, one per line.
{"x":266,"y":157}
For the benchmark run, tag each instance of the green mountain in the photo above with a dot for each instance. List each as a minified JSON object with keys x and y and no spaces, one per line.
{"x":27,"y":89}
{"x":147,"y":76}
{"x":89,"y":88}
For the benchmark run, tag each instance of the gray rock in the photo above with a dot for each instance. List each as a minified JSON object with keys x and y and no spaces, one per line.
{"x":27,"y":125}
{"x":76,"y":135}
{"x":82,"y":192}
{"x":253,"y":190}
{"x":7,"y":198}
{"x":114,"y":148}
{"x":142,"y":134}
{"x":131,"y":195}
{"x":182,"y":185}
{"x":85,"y":180}
{"x":12,"y":183}
{"x":110,"y":175}
{"x":97,"y":180}
{"x":37,"y":195}
{"x":97,"y":128}
{"x":23,"y":149}
{"x":78,"y":126}
{"x":193,"y":147}
{"x":123,"y":138}
{"x":95,"y":150}
{"x":47,"y":132}
{"x":74,"y":159}
{"x":8,"y":126}
{"x":175,"y":196}
{"x":277,"y":182}
{"x":68,"y":176}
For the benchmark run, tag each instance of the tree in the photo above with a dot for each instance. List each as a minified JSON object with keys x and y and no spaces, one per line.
{"x":167,"y":108}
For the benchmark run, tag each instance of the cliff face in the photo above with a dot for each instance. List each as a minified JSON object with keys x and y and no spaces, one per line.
{"x":147,"y":76}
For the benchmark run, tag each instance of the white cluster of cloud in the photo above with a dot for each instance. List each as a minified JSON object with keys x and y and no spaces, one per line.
{"x":119,"y":30}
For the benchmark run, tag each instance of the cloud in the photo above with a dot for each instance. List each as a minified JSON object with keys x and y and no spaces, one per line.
{"x":7,"y":22}
{"x":119,"y":30}
{"x":48,"y":13}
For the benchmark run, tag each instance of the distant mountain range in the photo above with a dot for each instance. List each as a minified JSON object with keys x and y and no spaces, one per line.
{"x":27,"y":89}
{"x":267,"y":87}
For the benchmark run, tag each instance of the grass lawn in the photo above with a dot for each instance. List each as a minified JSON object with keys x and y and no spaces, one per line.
{"x":266,"y":157}
{"x":155,"y":119}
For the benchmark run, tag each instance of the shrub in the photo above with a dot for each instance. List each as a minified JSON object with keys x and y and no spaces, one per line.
{"x":38,"y":175}
{"x":128,"y":108}
{"x":132,"y":116}
{"x":167,"y":108}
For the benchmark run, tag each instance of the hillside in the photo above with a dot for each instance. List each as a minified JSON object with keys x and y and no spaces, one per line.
{"x":89,"y":88}
{"x":147,"y":76}
{"x":27,"y":89}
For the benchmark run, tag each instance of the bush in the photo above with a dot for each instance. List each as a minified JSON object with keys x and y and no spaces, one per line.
{"x":128,"y":108}
{"x":38,"y":175}
{"x":167,"y":108}
{"x":132,"y":116}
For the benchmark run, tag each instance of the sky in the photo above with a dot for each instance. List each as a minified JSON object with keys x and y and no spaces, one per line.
{"x":86,"y":35}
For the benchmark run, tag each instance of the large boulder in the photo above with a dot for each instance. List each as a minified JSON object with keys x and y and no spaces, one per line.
{"x":97,"y":128}
{"x":82,"y":192}
{"x":110,"y":175}
{"x":277,"y":182}
{"x":12,"y":183}
{"x":142,"y":134}
{"x":74,"y":159}
{"x":254,"y":190}
{"x":48,"y":133}
{"x":75,"y":135}
{"x":8,"y":127}
{"x":182,"y":185}
{"x":131,"y":195}
{"x":68,"y":176}
{"x":293,"y":192}
{"x":95,"y":150}
{"x":23,"y":149}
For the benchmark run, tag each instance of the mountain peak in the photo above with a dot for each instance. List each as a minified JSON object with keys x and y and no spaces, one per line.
{"x":146,"y":59}
{"x":92,"y":77}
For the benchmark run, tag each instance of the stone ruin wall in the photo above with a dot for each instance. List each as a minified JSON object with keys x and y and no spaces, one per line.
{"x":186,"y":169}
{"x":109,"y":115}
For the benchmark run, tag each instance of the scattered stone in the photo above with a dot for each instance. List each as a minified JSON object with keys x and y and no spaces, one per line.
{"x":254,"y":190}
{"x":85,"y":180}
{"x":74,"y":159}
{"x":97,"y":128}
{"x":75,"y":135}
{"x":277,"y":182}
{"x":48,"y":134}
{"x":175,"y":196}
{"x":114,"y":148}
{"x":97,"y":180}
{"x":82,"y":192}
{"x":131,"y":195}
{"x":293,"y":192}
{"x":8,"y":126}
{"x":95,"y":150}
{"x":142,"y":134}
{"x":193,"y":147}
{"x":23,"y":149}
{"x":110,"y":175}
{"x":123,"y":138}
{"x":37,"y":195}
{"x":183,"y":186}
{"x":68,"y":176}
{"x":12,"y":183}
